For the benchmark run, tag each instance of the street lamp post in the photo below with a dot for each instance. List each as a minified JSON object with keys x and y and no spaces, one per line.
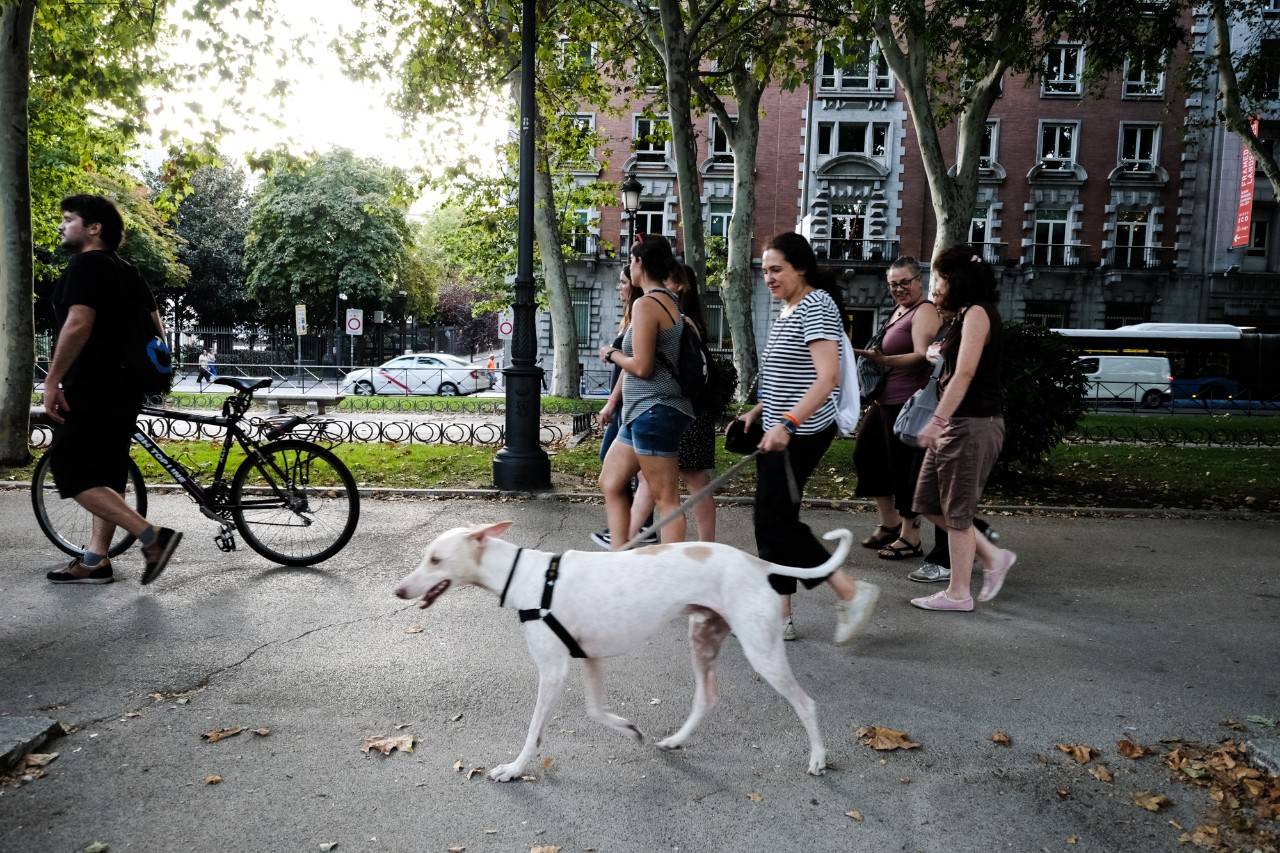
{"x":522,"y":465}
{"x":631,"y":189}
{"x":339,"y":324}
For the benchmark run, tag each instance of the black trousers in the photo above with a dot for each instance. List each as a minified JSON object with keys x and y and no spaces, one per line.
{"x":781,"y":537}
{"x":941,"y":553}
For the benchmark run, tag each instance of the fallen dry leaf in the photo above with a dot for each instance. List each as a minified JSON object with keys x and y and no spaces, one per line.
{"x":97,"y":847}
{"x":885,"y":739}
{"x":1101,"y":773}
{"x":413,"y":629}
{"x":327,"y":846}
{"x":386,"y":743}
{"x":1082,"y":753}
{"x":455,"y":718}
{"x":1002,"y":738}
{"x":1205,"y":835}
{"x":218,"y":734}
{"x":546,"y":762}
{"x":212,"y":779}
{"x":1129,"y":749}
{"x":855,"y":814}
{"x":457,"y":765}
{"x":1151,"y":802}
{"x":458,"y":849}
{"x":474,"y":771}
{"x":754,"y":797}
{"x":1233,"y":724}
{"x":262,"y":731}
{"x":38,"y":759}
{"x":1063,"y":793}
{"x":545,"y":848}
{"x":1073,"y":839}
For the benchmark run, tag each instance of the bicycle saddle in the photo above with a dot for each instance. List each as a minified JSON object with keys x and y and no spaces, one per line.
{"x":242,"y":383}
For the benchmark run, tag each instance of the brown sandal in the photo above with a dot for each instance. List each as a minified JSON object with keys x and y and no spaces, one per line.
{"x":879,"y":540}
{"x":903,"y":551}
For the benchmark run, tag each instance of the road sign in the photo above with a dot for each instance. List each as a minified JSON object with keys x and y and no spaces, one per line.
{"x":506,"y":324}
{"x":300,"y":318}
{"x":355,"y":321}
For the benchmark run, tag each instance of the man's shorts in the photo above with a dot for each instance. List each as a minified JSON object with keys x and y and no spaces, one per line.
{"x":92,"y":448}
{"x":655,"y":432}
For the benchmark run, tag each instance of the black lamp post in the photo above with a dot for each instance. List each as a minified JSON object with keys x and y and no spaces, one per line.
{"x":522,"y":465}
{"x":631,"y":189}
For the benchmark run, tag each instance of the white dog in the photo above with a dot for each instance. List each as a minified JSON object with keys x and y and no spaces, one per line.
{"x":609,"y":603}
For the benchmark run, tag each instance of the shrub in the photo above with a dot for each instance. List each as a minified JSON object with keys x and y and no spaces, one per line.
{"x":1043,"y":394}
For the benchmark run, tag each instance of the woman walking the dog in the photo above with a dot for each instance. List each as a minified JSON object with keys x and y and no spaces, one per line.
{"x":654,"y":412}
{"x":964,"y":438}
{"x":799,"y":375}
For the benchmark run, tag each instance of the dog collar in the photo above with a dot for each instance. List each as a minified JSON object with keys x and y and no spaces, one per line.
{"x":511,"y":574}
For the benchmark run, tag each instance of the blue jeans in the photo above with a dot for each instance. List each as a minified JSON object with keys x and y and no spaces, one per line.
{"x":656,"y":432}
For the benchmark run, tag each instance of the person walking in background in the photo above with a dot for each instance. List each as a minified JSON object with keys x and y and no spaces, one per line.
{"x":697,"y":456}
{"x":100,"y":303}
{"x":654,"y":411}
{"x":886,"y":467}
{"x":628,"y":293}
{"x":202,"y":361}
{"x":964,"y":437}
{"x":491,"y":368}
{"x":799,"y":374}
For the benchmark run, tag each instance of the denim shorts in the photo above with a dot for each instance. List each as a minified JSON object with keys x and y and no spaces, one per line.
{"x":656,"y":432}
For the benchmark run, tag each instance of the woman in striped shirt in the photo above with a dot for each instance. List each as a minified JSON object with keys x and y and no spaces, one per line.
{"x":799,"y":375}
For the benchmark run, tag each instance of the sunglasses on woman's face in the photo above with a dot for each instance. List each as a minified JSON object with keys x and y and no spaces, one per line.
{"x":902,"y":283}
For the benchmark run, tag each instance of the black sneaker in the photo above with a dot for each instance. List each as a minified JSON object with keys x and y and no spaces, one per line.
{"x":603,"y":539}
{"x":101,"y":574}
{"x":157,"y":554}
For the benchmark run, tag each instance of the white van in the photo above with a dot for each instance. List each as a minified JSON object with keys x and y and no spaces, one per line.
{"x":1141,"y":379}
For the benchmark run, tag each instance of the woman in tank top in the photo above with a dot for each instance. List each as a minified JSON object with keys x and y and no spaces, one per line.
{"x":964,"y":438}
{"x":886,"y":467}
{"x":654,"y":411}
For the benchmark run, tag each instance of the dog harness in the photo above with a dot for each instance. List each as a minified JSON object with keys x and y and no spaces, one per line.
{"x":543,"y":611}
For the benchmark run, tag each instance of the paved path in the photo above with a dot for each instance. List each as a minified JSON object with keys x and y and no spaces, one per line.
{"x":1150,"y":628}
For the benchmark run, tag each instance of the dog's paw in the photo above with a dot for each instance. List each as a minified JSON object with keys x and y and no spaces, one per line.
{"x":505,"y":772}
{"x":817,"y":765}
{"x":635,"y":732}
{"x":670,"y":743}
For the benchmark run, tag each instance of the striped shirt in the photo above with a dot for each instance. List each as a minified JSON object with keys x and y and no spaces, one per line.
{"x":662,"y":387}
{"x":787,"y":371}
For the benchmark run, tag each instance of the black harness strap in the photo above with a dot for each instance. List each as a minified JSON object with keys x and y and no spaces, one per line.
{"x":543,"y":612}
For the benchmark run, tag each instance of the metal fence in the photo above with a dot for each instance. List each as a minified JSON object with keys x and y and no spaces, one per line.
{"x":1173,"y":398}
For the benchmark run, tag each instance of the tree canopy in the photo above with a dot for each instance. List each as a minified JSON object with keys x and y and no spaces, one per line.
{"x":213,"y":221}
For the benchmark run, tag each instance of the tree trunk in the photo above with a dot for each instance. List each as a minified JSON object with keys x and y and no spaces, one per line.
{"x":740,"y":277}
{"x":564,"y":331}
{"x":1229,"y":90}
{"x":676,"y":61}
{"x":17,"y":318}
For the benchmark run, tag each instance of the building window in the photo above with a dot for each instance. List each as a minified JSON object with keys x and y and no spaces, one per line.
{"x":581,"y":238}
{"x":1048,"y":313}
{"x":1138,"y":145}
{"x":861,"y":68}
{"x":651,"y":140}
{"x":718,"y":337}
{"x":718,"y":217}
{"x":989,"y":148}
{"x":1062,"y":66}
{"x":581,"y":298}
{"x":853,"y":137}
{"x":651,"y":218}
{"x":1050,"y":247}
{"x":580,"y":130}
{"x":848,"y":230}
{"x":1058,"y":144}
{"x":721,"y":150}
{"x":1143,"y":79}
{"x":1258,"y":238}
{"x":577,"y":55}
{"x":1133,"y":229}
{"x":1117,"y":314}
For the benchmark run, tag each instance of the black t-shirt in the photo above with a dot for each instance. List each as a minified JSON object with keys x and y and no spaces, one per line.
{"x":121,"y":301}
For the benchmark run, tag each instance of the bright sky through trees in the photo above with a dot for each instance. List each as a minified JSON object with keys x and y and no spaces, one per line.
{"x":324,"y":108}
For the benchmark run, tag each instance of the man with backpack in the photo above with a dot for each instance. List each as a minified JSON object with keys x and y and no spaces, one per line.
{"x":104,"y":310}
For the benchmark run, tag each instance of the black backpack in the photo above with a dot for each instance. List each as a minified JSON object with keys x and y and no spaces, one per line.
{"x":695,"y":369}
{"x":148,"y":361}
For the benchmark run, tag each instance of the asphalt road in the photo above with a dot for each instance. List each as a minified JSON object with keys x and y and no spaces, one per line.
{"x":1107,"y":627}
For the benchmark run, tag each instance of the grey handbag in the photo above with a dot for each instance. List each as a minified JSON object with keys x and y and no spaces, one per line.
{"x":918,"y":411}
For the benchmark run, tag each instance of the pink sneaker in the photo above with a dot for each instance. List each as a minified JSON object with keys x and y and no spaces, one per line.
{"x":993,"y":577}
{"x":942,"y":601}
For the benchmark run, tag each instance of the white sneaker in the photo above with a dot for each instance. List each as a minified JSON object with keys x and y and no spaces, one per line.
{"x":789,"y":631}
{"x":602,"y":539}
{"x":854,"y":614}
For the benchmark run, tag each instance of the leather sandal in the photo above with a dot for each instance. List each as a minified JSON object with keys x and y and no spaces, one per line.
{"x":879,"y":540}
{"x":900,"y":549}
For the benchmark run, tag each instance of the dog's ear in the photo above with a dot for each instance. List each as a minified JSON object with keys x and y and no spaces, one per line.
{"x":489,"y":531}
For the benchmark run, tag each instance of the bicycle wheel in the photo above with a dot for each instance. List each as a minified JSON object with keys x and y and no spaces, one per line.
{"x":299,"y":506}
{"x":67,"y":524}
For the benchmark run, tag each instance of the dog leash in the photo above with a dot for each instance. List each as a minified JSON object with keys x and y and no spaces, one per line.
{"x":706,"y":492}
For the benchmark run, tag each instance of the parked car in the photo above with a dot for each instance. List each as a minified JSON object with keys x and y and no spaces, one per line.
{"x":1127,"y":378}
{"x":420,"y":373}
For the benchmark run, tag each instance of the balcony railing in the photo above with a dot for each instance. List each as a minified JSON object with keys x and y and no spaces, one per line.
{"x":992,"y":253}
{"x":1058,"y":255}
{"x":1140,"y":257}
{"x":866,"y":251}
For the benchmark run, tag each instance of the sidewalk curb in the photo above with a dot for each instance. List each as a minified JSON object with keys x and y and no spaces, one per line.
{"x":742,"y":500}
{"x":20,"y":735}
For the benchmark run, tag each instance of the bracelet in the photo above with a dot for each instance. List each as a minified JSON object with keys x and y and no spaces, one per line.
{"x":790,"y":423}
{"x":609,"y":357}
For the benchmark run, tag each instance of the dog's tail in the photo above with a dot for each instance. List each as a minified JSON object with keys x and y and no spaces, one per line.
{"x":837,"y":559}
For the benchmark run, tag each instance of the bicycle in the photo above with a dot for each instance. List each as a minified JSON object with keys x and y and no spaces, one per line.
{"x":292,"y":500}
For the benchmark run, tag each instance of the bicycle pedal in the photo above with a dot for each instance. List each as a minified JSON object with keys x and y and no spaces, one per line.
{"x":226,"y":541}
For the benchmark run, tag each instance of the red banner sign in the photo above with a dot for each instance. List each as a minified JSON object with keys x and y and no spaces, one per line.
{"x":1244,"y":214}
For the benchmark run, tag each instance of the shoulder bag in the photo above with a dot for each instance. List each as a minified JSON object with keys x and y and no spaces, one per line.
{"x":872,"y":376}
{"x":918,"y":411}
